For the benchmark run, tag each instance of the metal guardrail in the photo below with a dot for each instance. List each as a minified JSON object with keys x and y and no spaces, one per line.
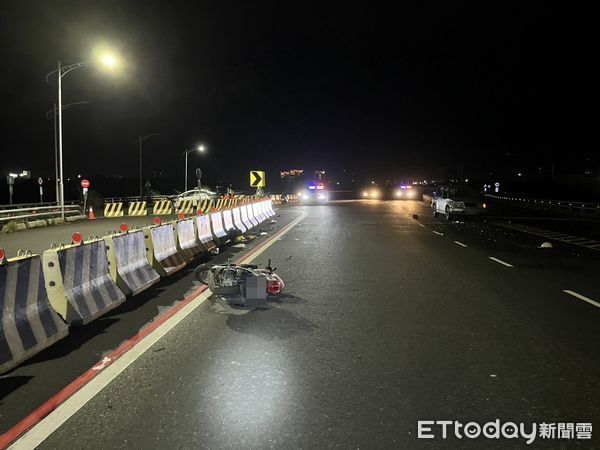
{"x":3,"y":208}
{"x":38,"y":212}
{"x":137,"y":198}
{"x":563,"y":206}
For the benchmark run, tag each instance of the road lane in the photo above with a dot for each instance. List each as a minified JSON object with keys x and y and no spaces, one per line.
{"x":383,"y":324}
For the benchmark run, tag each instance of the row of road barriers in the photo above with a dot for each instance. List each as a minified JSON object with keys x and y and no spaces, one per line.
{"x":279,"y":199}
{"x":164,"y":207}
{"x":72,"y":285}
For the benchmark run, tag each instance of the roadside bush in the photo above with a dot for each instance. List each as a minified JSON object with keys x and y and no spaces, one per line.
{"x":10,"y":227}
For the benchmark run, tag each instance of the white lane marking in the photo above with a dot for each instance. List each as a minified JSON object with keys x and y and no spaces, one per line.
{"x":461,"y":244}
{"x":36,"y":435}
{"x":582,"y":297}
{"x":501,"y":262}
{"x":420,"y":224}
{"x":437,"y":232}
{"x":283,"y":231}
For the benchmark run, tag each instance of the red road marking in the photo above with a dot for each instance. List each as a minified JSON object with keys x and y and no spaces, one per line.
{"x":55,"y":401}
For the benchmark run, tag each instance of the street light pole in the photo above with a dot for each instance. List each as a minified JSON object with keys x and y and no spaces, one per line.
{"x":142,"y":139}
{"x":60,"y":152}
{"x":56,"y":158}
{"x":54,"y":113}
{"x":186,"y":170}
{"x":201,"y":149}
{"x":107,"y":60}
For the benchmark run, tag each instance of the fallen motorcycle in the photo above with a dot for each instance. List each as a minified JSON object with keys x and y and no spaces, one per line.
{"x":242,"y":284}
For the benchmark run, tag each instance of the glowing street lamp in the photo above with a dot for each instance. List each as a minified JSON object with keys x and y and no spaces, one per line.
{"x":103,"y":58}
{"x":108,"y":60}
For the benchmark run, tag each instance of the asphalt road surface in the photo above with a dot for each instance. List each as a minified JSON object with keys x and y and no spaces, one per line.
{"x":386,"y":320}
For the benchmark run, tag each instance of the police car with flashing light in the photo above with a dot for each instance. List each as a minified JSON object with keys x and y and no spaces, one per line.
{"x":315,"y":193}
{"x":405,"y":192}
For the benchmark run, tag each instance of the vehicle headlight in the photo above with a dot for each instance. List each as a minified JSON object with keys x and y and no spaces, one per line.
{"x":459,"y":205}
{"x":321,"y":196}
{"x":484,"y":205}
{"x":305,"y":196}
{"x":398,"y":193}
{"x":365,"y":194}
{"x":374,"y":194}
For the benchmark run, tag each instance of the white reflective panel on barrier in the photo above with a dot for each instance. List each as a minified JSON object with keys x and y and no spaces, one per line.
{"x":237,"y":220}
{"x":245,"y":219}
{"x":250,"y":213}
{"x":216,"y":220}
{"x":228,"y":220}
{"x":204,"y":233}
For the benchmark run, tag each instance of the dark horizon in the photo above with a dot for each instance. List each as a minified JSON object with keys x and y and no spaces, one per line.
{"x":406,"y":92}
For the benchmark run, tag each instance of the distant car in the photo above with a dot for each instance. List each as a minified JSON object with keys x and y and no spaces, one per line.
{"x":315,"y":193}
{"x":372,"y":192}
{"x":457,"y":201}
{"x":405,"y":192}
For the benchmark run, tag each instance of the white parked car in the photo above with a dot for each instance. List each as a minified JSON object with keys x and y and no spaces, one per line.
{"x":457,"y":201}
{"x":195,"y":195}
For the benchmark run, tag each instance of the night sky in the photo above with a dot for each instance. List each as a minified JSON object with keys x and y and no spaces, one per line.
{"x":407,"y":91}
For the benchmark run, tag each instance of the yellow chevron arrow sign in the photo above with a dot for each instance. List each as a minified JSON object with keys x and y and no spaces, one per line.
{"x":257,"y":178}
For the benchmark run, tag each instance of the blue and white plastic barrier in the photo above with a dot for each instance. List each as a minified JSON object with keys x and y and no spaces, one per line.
{"x":27,"y":322}
{"x":162,"y":249}
{"x":78,"y":282}
{"x":128,"y":263}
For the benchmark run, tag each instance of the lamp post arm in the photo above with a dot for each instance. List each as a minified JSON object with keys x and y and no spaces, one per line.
{"x":66,"y":69}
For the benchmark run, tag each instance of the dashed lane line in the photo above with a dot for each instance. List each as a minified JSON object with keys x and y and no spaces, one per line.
{"x":461,"y":244}
{"x":582,"y":297}
{"x":499,"y":261}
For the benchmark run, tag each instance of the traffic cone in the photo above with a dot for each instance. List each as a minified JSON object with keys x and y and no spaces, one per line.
{"x":91,"y":215}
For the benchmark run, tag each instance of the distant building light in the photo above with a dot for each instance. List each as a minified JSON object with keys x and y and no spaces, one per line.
{"x":288,"y":175}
